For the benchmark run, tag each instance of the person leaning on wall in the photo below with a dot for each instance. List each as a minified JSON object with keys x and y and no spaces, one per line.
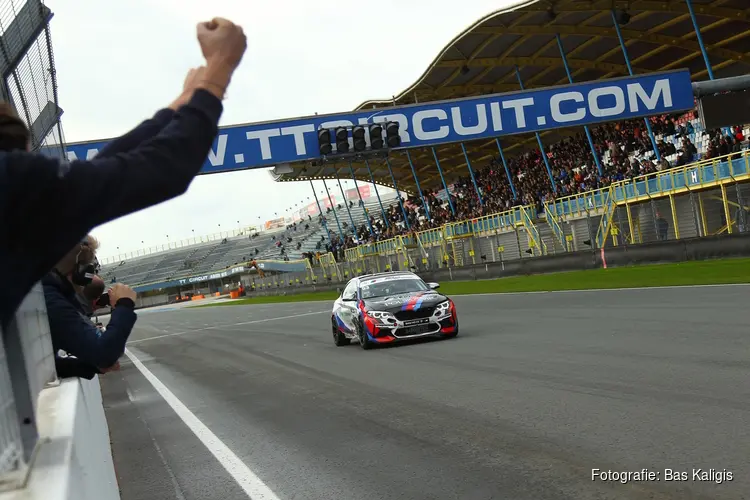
{"x":71,"y":328}
{"x":46,"y":207}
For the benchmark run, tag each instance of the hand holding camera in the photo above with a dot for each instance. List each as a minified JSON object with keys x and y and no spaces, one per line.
{"x":120,"y":291}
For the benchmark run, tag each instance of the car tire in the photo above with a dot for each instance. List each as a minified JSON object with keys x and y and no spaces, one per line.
{"x":454,"y":334}
{"x":338,"y":338}
{"x":364,"y":342}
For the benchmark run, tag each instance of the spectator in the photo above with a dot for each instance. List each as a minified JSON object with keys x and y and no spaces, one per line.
{"x":90,"y":293}
{"x":44,"y":200}
{"x":70,"y":326}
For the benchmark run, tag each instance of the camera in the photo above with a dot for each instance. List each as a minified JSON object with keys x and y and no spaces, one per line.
{"x":103,"y":300}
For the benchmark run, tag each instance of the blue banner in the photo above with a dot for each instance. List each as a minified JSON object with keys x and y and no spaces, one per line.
{"x":422,"y":125}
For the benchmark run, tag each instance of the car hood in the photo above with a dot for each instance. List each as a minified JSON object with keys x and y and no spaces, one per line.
{"x":394,"y":303}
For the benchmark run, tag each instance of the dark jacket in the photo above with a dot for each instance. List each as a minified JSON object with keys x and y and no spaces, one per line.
{"x":47,"y":205}
{"x":74,"y":332}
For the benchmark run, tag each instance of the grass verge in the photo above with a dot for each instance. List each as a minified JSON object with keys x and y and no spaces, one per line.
{"x":712,"y":272}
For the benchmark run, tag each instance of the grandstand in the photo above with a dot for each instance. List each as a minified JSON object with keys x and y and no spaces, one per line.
{"x":221,"y":253}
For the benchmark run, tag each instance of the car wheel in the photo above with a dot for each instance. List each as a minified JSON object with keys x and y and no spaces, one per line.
{"x":454,"y":334}
{"x":338,"y":338}
{"x":364,"y":342}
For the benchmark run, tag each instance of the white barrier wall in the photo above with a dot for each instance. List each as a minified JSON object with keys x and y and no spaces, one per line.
{"x":73,"y":459}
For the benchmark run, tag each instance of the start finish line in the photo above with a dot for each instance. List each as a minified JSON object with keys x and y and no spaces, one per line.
{"x":287,"y":141}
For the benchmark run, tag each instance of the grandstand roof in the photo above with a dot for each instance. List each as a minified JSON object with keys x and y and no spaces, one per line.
{"x":481,"y":60}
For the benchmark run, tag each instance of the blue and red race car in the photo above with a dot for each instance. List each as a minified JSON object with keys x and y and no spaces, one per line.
{"x":388,"y":307}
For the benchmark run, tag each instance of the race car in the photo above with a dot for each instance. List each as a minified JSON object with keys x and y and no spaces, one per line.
{"x":389,"y":307}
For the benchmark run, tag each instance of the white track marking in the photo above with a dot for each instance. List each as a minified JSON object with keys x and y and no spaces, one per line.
{"x":664,"y":287}
{"x":218,"y":327}
{"x":248,"y":481}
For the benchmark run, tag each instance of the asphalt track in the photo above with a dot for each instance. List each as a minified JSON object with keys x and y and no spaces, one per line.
{"x":537,"y":390}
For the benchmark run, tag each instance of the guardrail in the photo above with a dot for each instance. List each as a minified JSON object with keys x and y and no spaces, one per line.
{"x":700,"y":175}
{"x":27,"y":366}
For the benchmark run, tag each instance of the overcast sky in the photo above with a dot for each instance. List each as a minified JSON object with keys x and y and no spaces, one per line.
{"x":118,"y":62}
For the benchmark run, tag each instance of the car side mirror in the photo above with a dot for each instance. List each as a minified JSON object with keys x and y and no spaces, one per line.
{"x":348,"y":299}
{"x":434,"y":286}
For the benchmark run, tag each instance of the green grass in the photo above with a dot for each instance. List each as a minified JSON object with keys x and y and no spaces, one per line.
{"x":712,"y":272}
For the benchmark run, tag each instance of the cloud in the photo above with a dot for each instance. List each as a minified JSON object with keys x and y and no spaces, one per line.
{"x":118,"y":62}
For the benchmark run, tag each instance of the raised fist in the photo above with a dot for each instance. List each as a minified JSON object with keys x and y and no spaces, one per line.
{"x":222,"y":42}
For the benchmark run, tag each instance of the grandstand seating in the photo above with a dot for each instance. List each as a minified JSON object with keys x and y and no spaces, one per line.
{"x":372,"y":206}
{"x":206,"y":257}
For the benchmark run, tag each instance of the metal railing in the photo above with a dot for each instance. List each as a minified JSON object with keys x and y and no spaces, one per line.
{"x":705,"y":173}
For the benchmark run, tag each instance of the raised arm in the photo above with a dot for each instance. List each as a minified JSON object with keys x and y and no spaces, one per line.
{"x":47,"y":206}
{"x":151,"y":127}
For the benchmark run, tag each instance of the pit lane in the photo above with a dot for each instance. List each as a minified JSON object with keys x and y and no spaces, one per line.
{"x":537,"y":390}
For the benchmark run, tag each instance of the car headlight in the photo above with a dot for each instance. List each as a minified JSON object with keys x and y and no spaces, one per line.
{"x":381,"y":316}
{"x":443,"y":309}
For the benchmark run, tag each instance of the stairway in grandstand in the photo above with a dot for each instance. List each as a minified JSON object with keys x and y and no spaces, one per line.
{"x":554,"y":245}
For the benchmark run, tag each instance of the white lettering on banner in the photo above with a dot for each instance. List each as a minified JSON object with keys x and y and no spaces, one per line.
{"x":661,"y":89}
{"x":459,"y":127}
{"x":558,"y":115}
{"x":431,"y":123}
{"x":599,"y":112}
{"x":419,"y":131}
{"x":299,"y":136}
{"x":403,"y":124}
{"x":694,"y":176}
{"x":334,"y":124}
{"x":217,"y":158}
{"x":90,"y":154}
{"x":518,"y":105}
{"x":214,"y":276}
{"x":264,"y":137}
{"x":497,"y":118}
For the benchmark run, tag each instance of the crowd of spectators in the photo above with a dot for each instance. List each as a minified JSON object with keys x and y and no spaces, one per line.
{"x":624,"y":149}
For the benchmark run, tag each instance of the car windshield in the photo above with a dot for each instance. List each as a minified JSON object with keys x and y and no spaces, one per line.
{"x":386,"y":287}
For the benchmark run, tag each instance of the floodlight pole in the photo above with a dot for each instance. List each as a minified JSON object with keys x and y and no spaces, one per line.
{"x":471,"y":173}
{"x":442,"y":178}
{"x":400,"y":203}
{"x":630,"y":71}
{"x":382,"y":210}
{"x":343,"y":197}
{"x":700,"y":39}
{"x":320,"y":211}
{"x":507,"y":170}
{"x":419,"y":189}
{"x":539,"y":141}
{"x":585,"y":127}
{"x":361,"y":203}
{"x":333,"y":209}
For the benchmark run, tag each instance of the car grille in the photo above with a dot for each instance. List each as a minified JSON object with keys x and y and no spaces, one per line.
{"x":422,"y":312}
